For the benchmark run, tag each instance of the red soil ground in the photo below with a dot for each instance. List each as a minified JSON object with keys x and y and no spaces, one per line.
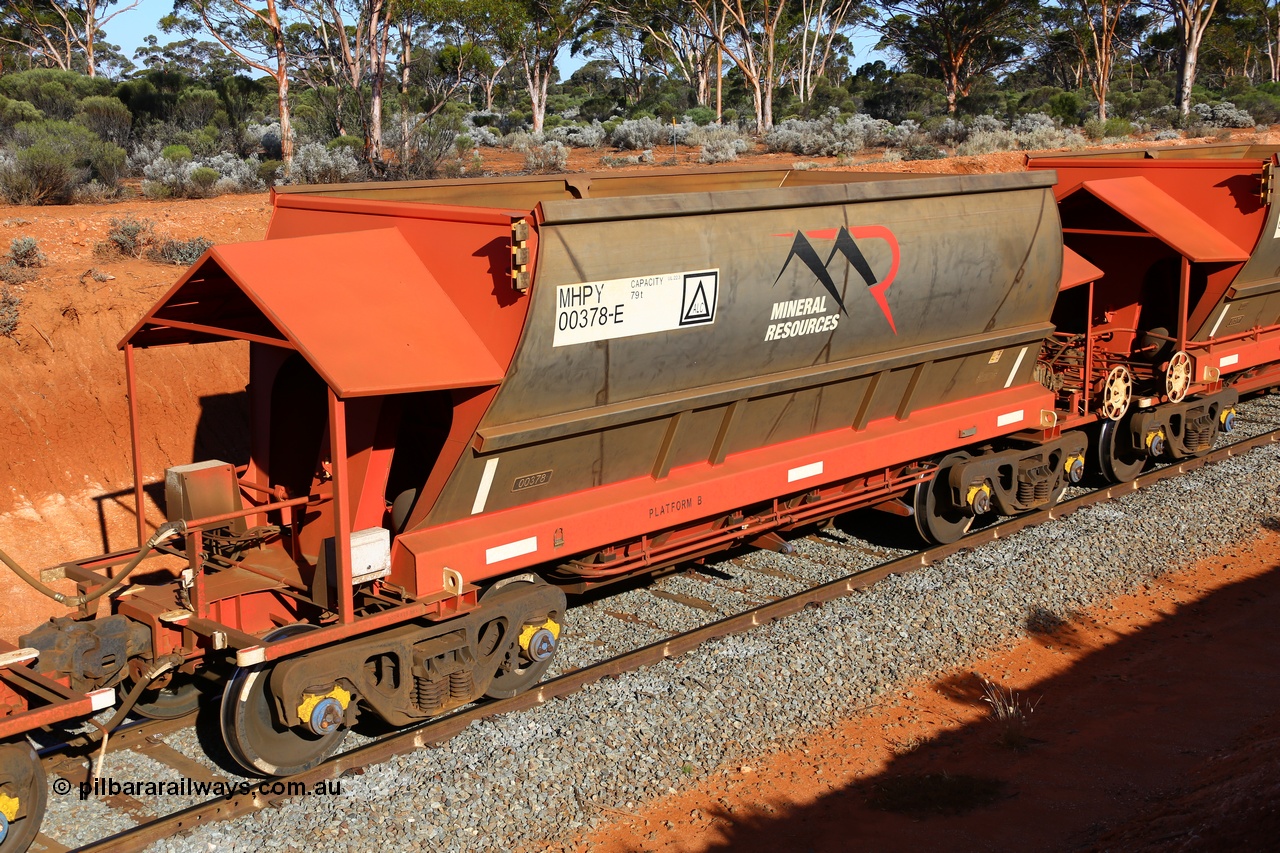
{"x":1151,"y":724}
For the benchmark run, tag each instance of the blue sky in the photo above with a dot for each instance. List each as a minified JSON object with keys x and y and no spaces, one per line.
{"x":131,"y":27}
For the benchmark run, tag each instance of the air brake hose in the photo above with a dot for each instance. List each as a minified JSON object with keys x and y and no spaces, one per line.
{"x":164,"y":532}
{"x":159,"y":668}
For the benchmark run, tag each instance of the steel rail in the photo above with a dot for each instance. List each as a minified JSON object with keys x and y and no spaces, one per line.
{"x":439,"y":730}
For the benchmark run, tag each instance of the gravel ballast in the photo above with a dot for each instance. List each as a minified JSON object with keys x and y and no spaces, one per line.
{"x":526,"y":780}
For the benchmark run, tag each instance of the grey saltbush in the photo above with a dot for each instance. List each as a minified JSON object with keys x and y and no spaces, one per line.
{"x":313,"y":163}
{"x":550,"y":156}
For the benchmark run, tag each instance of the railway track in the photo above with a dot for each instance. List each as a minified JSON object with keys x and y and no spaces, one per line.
{"x":694,"y":603}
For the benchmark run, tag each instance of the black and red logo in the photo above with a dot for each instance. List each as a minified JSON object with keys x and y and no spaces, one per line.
{"x":846,"y":245}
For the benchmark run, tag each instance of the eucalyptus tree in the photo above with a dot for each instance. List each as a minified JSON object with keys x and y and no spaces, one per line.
{"x":254,"y":34}
{"x":1190,"y":19}
{"x":820,"y":37}
{"x":57,"y":30}
{"x":538,"y":31}
{"x":1098,"y":30}
{"x":677,"y":35}
{"x":956,"y":41}
{"x":748,"y":31}
{"x":611,"y":35}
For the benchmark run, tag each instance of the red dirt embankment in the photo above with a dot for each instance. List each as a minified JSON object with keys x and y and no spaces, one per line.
{"x":65,"y":465}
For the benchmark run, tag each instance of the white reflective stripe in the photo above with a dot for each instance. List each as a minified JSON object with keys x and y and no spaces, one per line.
{"x":486,"y":481}
{"x":1221,"y":316}
{"x":511,"y":549}
{"x":1009,"y":418}
{"x":804,"y":472}
{"x":18,"y":657}
{"x":1017,"y":362}
{"x":104,"y":698}
{"x":251,"y":656}
{"x":1228,"y":360}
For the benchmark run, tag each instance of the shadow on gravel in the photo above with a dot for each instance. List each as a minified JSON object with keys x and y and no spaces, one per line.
{"x":1168,"y":738}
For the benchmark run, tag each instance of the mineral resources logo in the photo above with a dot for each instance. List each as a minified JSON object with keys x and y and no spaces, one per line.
{"x":846,"y":245}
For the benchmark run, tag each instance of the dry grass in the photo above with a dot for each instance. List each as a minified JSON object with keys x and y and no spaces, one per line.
{"x":1011,"y":714}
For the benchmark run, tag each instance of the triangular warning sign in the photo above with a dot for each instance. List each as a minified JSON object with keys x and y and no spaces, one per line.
{"x":698,"y":308}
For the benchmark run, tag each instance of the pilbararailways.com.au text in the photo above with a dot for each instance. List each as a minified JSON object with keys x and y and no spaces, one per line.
{"x":107,"y":786}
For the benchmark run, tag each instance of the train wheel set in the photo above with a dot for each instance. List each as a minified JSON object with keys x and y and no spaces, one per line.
{"x":522,"y":400}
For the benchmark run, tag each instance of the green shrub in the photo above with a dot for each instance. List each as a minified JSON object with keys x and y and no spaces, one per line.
{"x":53,"y":159}
{"x":700,"y":116}
{"x":1096,"y":129}
{"x":1066,"y":107}
{"x":354,"y":143}
{"x":177,"y":153}
{"x":269,"y":170}
{"x":11,"y":273}
{"x":108,"y":164}
{"x":202,"y":179}
{"x":25,"y":252}
{"x":8,"y":312}
{"x":197,"y":108}
{"x":1117,"y":127}
{"x":55,"y":93}
{"x":181,"y":253}
{"x":107,"y":117}
{"x":130,"y":236}
{"x":1263,"y":103}
{"x":12,"y":112}
{"x":39,"y":174}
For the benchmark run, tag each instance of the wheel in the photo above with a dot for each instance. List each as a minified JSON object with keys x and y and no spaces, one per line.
{"x":254,"y":735}
{"x":522,"y":666}
{"x":177,"y":697}
{"x":1115,"y":460}
{"x":23,"y":796}
{"x":936,"y":520}
{"x":1117,"y":391}
{"x":1177,"y":378}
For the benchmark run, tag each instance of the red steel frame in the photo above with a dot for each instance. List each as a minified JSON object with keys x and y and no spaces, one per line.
{"x":47,"y":702}
{"x":581,"y":522}
{"x":1202,"y":185}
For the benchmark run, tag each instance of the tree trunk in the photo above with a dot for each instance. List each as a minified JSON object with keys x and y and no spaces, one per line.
{"x":406,"y":45}
{"x":377,"y":77}
{"x":282,"y":88}
{"x":488,"y":85}
{"x":758,"y":102}
{"x":538,"y":100}
{"x":1187,"y":78}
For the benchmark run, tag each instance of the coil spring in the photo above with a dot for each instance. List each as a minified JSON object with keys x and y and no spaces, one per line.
{"x":1035,"y":489}
{"x":1199,"y":434}
{"x":429,"y":694}
{"x":461,"y":685}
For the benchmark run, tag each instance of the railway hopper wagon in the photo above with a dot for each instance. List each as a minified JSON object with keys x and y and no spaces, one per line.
{"x":1173,"y":309}
{"x":468,"y":398}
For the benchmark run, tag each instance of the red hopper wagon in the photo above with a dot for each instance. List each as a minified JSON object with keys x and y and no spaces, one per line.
{"x":469,"y":398}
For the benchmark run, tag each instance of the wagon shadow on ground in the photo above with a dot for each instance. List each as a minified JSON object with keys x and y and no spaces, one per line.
{"x":1166,"y":733}
{"x":221,"y":432}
